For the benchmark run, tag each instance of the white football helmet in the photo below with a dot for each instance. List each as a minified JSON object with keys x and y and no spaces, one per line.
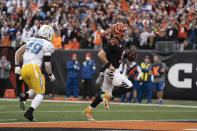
{"x":46,"y":31}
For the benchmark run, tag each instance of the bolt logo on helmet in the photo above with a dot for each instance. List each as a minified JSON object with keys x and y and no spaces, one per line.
{"x":46,"y":31}
{"x":119,"y":30}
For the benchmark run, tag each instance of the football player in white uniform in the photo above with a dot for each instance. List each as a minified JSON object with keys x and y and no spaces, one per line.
{"x":33,"y":53}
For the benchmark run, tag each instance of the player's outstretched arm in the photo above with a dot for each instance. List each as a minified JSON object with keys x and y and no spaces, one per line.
{"x":18,"y":58}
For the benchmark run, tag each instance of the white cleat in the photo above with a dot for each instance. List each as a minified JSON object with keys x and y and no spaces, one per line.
{"x":106,"y":97}
{"x":88,"y":114}
{"x":22,"y":105}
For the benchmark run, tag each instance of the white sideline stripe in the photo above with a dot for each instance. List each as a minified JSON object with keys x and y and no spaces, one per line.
{"x":104,"y":121}
{"x":106,"y":111}
{"x":68,"y":105}
{"x":129,"y":104}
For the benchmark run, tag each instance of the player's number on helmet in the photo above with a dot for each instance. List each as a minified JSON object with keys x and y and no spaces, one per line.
{"x":35,"y":48}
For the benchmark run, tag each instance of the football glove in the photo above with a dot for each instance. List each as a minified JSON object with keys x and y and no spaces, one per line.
{"x":52,"y":77}
{"x":17,"y":70}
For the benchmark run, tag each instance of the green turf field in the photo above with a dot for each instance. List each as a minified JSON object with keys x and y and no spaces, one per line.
{"x":65,"y":111}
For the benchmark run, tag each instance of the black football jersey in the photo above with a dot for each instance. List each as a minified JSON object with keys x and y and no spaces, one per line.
{"x":114,"y":51}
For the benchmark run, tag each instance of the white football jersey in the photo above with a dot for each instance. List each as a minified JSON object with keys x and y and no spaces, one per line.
{"x":35,"y":50}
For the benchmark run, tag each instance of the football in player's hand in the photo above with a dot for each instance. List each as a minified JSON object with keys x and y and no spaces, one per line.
{"x":131,"y":55}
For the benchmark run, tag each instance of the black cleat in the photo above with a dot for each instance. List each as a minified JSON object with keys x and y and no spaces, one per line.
{"x":29,"y":114}
{"x":22,"y":102}
{"x":22,"y":105}
{"x":30,"y":117}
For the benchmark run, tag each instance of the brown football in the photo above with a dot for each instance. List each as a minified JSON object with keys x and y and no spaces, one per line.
{"x":132,"y":54}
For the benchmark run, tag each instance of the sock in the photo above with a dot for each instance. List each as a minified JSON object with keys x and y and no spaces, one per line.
{"x":108,"y":95}
{"x":30,"y":110}
{"x":25,"y":97}
{"x":31,"y":93}
{"x":91,"y":107}
{"x":28,"y":94}
{"x":111,"y":94}
{"x":97,"y":100}
{"x":36,"y":101}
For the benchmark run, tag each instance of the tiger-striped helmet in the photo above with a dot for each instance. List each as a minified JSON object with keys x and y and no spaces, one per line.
{"x":119,"y":30}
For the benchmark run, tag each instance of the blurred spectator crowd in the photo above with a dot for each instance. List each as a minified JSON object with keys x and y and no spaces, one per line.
{"x":82,"y":24}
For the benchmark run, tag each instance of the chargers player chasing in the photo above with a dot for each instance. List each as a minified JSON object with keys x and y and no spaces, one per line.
{"x":32,"y":54}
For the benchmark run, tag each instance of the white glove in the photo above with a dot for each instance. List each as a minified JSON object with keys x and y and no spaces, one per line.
{"x":52,"y":77}
{"x":17,"y":70}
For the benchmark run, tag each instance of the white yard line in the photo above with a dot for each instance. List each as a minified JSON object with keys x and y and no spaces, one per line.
{"x":56,"y":111}
{"x":8,"y":119}
{"x":128,"y":104}
{"x":1,"y":106}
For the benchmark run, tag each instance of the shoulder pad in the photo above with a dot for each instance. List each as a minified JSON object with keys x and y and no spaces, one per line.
{"x":114,"y":41}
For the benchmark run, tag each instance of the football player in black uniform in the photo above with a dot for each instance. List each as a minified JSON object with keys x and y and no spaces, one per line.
{"x":112,"y":55}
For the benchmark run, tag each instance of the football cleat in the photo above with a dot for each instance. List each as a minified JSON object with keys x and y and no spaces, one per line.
{"x":22,"y":105}
{"x":88,"y":114}
{"x":106,"y":97}
{"x":22,"y":102}
{"x":29,"y":115}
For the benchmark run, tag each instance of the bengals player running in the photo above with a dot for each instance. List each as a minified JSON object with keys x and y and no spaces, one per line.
{"x":112,"y":55}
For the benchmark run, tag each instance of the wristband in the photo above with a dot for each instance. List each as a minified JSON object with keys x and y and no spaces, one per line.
{"x":107,"y":65}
